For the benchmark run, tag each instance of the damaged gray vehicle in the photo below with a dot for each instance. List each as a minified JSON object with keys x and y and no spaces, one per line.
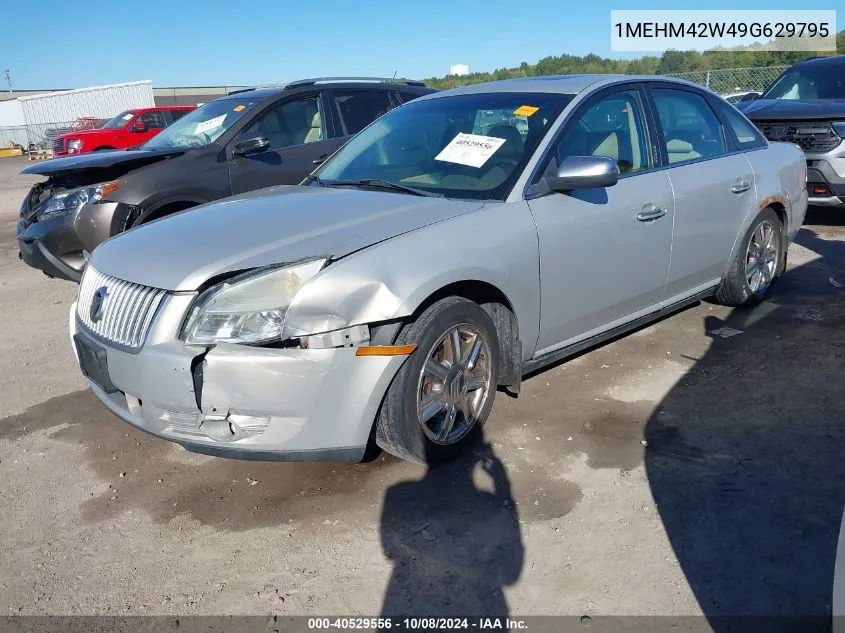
{"x":459,"y":242}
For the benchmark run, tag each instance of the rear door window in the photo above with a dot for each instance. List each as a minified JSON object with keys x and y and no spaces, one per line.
{"x":745,"y":134}
{"x":691,"y":130}
{"x":175,"y":115}
{"x":356,"y":109}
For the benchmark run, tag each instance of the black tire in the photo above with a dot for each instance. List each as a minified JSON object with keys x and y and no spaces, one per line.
{"x":735,"y":290}
{"x":101,"y":149}
{"x":398,"y":429}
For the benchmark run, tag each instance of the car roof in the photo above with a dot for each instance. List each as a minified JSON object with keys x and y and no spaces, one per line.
{"x":156,"y":108}
{"x":828,"y":60}
{"x":264,"y":92}
{"x":560,"y":84}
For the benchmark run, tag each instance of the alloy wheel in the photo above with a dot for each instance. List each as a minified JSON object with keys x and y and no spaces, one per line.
{"x":454,"y":384}
{"x":761,"y":258}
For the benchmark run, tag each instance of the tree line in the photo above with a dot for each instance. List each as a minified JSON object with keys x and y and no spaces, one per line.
{"x":671,"y":61}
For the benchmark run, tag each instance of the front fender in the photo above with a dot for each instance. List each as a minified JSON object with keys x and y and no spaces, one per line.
{"x":496,"y":245}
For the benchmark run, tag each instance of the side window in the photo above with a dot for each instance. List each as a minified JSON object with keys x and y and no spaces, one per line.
{"x":152,"y":120}
{"x":175,"y":115}
{"x":746,"y":134}
{"x":691,"y":129}
{"x":357,"y":109}
{"x":291,"y":123}
{"x":614,"y":127}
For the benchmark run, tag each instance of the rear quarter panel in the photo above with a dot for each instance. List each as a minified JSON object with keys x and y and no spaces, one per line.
{"x":780,"y":174}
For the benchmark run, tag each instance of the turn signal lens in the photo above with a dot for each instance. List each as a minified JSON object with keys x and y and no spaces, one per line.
{"x":110,"y":187}
{"x":385,"y":350}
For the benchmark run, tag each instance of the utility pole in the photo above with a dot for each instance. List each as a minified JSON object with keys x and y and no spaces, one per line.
{"x":9,"y":79}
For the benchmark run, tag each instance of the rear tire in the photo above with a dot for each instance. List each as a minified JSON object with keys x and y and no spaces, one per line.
{"x":437,"y":403}
{"x":758,"y":261}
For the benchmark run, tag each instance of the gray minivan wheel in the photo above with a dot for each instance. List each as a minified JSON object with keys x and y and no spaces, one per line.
{"x":757,"y":263}
{"x":446,"y":387}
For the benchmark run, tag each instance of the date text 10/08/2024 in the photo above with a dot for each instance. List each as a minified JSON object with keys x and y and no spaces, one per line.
{"x":421,"y":623}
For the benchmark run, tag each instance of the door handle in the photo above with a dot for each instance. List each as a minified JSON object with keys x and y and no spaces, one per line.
{"x":651,"y":212}
{"x":320,"y":160}
{"x":741,"y":187}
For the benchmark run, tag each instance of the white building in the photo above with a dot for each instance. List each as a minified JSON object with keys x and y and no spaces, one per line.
{"x":459,"y":69}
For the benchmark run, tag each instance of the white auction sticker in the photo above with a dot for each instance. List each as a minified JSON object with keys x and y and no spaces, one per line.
{"x":211,"y":124}
{"x":470,"y":149}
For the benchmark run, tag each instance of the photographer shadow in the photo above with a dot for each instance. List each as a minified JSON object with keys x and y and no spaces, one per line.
{"x":453,"y":538}
{"x":745,"y":460}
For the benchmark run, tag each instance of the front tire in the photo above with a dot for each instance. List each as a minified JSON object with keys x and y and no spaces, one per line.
{"x":757,"y":262}
{"x":446,"y":388}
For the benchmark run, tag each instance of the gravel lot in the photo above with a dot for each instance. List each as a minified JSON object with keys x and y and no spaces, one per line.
{"x":670,"y":472}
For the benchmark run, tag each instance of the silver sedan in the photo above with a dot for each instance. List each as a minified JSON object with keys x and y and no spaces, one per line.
{"x":457,"y":243}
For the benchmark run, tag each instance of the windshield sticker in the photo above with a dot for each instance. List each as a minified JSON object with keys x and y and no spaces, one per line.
{"x":128,"y":116}
{"x":205,"y":126}
{"x":470,"y":149}
{"x":239,"y":108}
{"x":525,"y":110}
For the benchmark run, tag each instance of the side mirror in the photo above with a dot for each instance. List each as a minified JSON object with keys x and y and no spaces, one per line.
{"x":750,"y":96}
{"x":584,"y":172}
{"x":138,"y":126}
{"x":251,"y":146}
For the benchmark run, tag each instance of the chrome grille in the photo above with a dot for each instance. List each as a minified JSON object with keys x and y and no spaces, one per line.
{"x":127,"y":309}
{"x":58,"y":145}
{"x":811,"y":136}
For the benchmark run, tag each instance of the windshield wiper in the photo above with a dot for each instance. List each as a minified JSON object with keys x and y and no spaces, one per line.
{"x":380,"y":184}
{"x":317,"y":179}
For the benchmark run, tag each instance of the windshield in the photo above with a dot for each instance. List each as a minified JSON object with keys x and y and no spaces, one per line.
{"x":202,"y":126}
{"x":808,"y":83}
{"x":463,"y":146}
{"x":119,"y":121}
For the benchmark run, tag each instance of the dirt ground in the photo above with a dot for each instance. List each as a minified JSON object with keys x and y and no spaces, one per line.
{"x":670,"y":472}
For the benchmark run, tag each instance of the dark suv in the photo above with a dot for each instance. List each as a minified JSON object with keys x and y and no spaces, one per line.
{"x":806,"y":106}
{"x":246,"y":140}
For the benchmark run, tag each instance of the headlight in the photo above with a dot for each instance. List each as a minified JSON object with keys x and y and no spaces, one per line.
{"x":74,"y":145}
{"x":249,"y":308}
{"x":839,"y":128}
{"x":67,"y":201}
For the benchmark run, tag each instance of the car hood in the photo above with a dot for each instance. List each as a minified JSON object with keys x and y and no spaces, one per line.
{"x":262,"y":228}
{"x":84,"y":133}
{"x":786,"y":109}
{"x":130,"y":159}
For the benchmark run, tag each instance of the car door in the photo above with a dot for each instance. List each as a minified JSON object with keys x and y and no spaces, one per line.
{"x":298,"y":141}
{"x":604,"y":253}
{"x":355,"y":109}
{"x":713,"y":188}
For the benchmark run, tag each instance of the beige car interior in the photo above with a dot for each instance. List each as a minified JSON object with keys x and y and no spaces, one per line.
{"x":497,"y":168}
{"x":293,"y":123}
{"x":622,"y":144}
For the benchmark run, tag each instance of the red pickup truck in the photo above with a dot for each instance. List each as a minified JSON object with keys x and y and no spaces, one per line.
{"x":127,"y":129}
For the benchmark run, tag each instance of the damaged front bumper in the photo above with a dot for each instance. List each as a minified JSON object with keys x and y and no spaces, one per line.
{"x":270,"y":404}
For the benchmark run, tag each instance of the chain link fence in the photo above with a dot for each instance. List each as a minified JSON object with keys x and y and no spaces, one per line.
{"x":41,"y":135}
{"x":733,"y":81}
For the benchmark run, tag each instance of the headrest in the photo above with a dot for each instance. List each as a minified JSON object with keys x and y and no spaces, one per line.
{"x":677,"y":146}
{"x":513,"y":145}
